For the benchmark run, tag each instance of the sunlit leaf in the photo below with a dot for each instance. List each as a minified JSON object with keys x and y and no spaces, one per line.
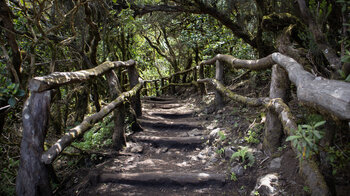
{"x":319,"y":124}
{"x":293,"y":137}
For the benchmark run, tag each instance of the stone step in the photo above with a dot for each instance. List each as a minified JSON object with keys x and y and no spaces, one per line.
{"x":160,"y":178}
{"x":173,"y":115}
{"x":160,"y":99}
{"x":194,"y":140}
{"x":169,"y":125}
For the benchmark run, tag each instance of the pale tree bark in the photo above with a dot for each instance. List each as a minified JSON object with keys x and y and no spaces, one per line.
{"x":327,"y":96}
{"x":273,"y":128}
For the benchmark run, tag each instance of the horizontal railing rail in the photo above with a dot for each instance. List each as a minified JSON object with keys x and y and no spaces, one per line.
{"x":33,"y":174}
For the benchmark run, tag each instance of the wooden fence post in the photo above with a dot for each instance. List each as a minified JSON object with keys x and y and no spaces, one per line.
{"x":33,"y":178}
{"x":273,"y":127}
{"x":145,"y":89}
{"x":123,"y":80}
{"x":172,"y":79}
{"x":219,"y":74}
{"x":134,"y":80}
{"x":156,"y":87}
{"x":118,"y":137}
{"x":202,"y":87}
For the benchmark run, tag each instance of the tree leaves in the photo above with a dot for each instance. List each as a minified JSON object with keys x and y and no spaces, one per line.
{"x":306,"y":139}
{"x":12,"y":101}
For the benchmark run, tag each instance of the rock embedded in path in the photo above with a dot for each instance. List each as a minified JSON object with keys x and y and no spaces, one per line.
{"x":229,"y":152}
{"x":266,"y":185}
{"x":195,"y":132}
{"x":213,"y":158}
{"x":214,"y":133}
{"x":238,"y":170}
{"x":134,"y":148}
{"x":275,"y":163}
{"x":211,"y":126}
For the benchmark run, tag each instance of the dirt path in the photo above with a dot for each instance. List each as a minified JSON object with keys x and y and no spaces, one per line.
{"x":186,"y":149}
{"x":161,"y":160}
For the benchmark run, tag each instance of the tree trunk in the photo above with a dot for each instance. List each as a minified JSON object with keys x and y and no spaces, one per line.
{"x":320,"y":38}
{"x":32,"y":178}
{"x":134,"y":80}
{"x":6,"y":20}
{"x":188,"y":66}
{"x":118,"y":137}
{"x":95,"y":95}
{"x":81,"y":105}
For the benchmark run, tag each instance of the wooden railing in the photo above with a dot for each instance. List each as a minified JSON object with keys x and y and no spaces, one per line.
{"x":168,"y":83}
{"x":329,"y":97}
{"x":33,"y":175}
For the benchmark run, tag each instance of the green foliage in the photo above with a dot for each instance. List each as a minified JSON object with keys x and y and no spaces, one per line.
{"x":345,"y":59}
{"x":256,"y":193}
{"x":244,"y":155}
{"x":320,"y":10}
{"x":252,"y":137}
{"x":312,"y":119}
{"x":222,"y":135}
{"x":307,"y":189}
{"x":8,"y":91}
{"x":306,"y":139}
{"x":254,"y":131}
{"x":233,"y":176}
{"x":98,"y":137}
{"x":220,"y":151}
{"x":8,"y":175}
{"x":338,"y":158}
{"x":342,"y":74}
{"x":280,"y":149}
{"x":345,"y":5}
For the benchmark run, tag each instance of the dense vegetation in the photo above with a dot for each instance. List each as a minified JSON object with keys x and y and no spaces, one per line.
{"x":164,"y":37}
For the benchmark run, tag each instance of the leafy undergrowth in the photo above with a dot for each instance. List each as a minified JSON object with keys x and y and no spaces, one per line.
{"x":10,"y":140}
{"x":241,"y":133}
{"x":239,"y":151}
{"x":240,"y":136}
{"x":98,"y":137}
{"x":84,"y":152}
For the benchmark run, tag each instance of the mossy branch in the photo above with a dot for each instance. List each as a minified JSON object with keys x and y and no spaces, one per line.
{"x":56,"y":79}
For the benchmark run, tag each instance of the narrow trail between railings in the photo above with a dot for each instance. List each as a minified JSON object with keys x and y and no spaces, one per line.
{"x":185,"y":148}
{"x":162,"y":159}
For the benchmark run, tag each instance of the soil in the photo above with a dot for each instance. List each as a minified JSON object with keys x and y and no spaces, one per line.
{"x":155,"y":167}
